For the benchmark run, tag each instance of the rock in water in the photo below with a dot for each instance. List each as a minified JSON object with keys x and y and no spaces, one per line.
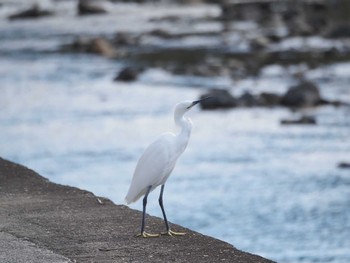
{"x":128,"y":74}
{"x":103,"y":47}
{"x":34,"y":12}
{"x":88,"y":7}
{"x":303,"y":120}
{"x":259,"y":43}
{"x":248,"y":100}
{"x":344,"y":165}
{"x":99,"y":46}
{"x":305,"y":94}
{"x":220,"y":99}
{"x":126,"y":39}
{"x":339,"y":31}
{"x":269,"y":99}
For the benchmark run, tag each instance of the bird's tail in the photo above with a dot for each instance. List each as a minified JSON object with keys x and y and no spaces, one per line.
{"x":129,"y":198}
{"x":127,"y":201}
{"x":133,"y":196}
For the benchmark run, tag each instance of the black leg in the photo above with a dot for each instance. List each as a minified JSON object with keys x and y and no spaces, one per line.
{"x":144,"y":209}
{"x":168,"y":232}
{"x":162,"y":207}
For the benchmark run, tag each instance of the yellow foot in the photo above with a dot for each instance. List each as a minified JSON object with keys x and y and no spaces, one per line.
{"x":144,"y":234}
{"x":173,"y":233}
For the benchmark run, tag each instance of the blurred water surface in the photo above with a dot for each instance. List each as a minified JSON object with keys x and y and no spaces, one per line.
{"x":265,"y":188}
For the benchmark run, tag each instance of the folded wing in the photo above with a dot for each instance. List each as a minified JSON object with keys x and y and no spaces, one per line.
{"x":152,"y":169}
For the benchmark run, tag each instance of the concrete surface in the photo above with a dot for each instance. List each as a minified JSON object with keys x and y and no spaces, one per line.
{"x":45,"y":222}
{"x":19,"y":250}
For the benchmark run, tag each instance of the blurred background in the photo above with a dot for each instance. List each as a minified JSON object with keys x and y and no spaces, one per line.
{"x":87,"y":85}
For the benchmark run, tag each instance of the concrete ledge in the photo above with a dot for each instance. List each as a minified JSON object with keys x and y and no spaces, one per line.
{"x":45,"y":222}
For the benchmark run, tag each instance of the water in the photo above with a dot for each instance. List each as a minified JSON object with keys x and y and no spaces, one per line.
{"x":265,"y":188}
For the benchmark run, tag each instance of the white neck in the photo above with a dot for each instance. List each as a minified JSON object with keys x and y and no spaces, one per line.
{"x":184,"y":134}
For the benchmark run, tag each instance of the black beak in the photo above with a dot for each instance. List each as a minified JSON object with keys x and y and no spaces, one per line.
{"x":198,"y":101}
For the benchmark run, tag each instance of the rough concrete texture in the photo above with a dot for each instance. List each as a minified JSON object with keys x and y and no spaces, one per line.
{"x":45,"y":222}
{"x":19,"y":250}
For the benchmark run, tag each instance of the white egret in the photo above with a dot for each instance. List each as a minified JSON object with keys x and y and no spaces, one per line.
{"x":157,"y":162}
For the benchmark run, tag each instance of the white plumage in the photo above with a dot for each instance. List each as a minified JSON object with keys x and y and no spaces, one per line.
{"x":158,"y":161}
{"x":153,"y":167}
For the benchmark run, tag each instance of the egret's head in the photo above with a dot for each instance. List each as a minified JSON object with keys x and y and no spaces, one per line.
{"x":182,"y":107}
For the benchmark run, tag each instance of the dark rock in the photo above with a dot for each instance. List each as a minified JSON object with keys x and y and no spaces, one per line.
{"x":298,"y":27}
{"x":34,"y":12}
{"x":303,"y":120}
{"x":269,"y":99}
{"x":128,"y":74}
{"x":317,"y":14}
{"x":305,"y":94}
{"x":273,"y":37}
{"x":213,"y":67}
{"x":344,"y":165}
{"x":169,"y":18}
{"x":160,"y":33}
{"x":207,"y":68}
{"x":220,"y":99}
{"x":237,"y":69}
{"x":126,"y":39}
{"x":259,"y":43}
{"x":248,"y":100}
{"x":80,"y":44}
{"x":338,"y":103}
{"x":103,"y":47}
{"x":99,"y":46}
{"x":335,"y":103}
{"x":88,"y":7}
{"x":246,"y":10}
{"x":339,"y":31}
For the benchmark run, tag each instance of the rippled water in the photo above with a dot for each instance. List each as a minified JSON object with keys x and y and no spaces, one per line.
{"x":265,"y":188}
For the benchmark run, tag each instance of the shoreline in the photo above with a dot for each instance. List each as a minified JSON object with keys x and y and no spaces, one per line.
{"x":41,"y":221}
